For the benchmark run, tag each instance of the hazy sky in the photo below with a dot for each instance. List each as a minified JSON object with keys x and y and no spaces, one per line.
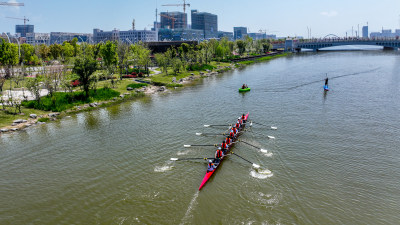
{"x":283,"y":18}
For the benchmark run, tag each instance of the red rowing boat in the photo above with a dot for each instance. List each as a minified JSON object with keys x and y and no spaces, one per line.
{"x":210,"y":173}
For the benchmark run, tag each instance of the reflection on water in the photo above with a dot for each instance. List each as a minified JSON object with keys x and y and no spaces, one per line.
{"x":111,"y":165}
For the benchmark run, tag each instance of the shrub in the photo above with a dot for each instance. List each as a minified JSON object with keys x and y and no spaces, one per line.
{"x":75,"y":83}
{"x":198,"y":67}
{"x":136,"y":85}
{"x":129,"y":76}
{"x":43,"y":120}
{"x":61,"y":101}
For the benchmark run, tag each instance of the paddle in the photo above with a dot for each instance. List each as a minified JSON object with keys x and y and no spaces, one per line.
{"x":218,"y":125}
{"x":272,"y":127}
{"x":254,"y":165}
{"x":252,"y":145}
{"x":210,"y":134}
{"x":176,"y":159}
{"x":188,"y":146}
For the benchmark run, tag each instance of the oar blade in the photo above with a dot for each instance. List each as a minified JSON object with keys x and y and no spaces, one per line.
{"x":256,"y":166}
{"x":207,"y":125}
{"x":174,"y":159}
{"x":274,"y":128}
{"x":271,"y":137}
{"x":187,"y":146}
{"x":199,"y":134}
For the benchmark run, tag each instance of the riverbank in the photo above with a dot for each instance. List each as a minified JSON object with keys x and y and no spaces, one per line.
{"x":157,"y":82}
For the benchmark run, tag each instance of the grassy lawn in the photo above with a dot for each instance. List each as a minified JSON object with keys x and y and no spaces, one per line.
{"x":6,"y":119}
{"x":167,"y":79}
{"x":216,"y":64}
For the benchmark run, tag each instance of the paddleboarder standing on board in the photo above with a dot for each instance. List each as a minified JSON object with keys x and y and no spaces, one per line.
{"x":326,"y":81}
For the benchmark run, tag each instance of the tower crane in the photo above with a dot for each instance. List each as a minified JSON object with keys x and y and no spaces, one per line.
{"x":24,"y":19}
{"x":184,"y":7}
{"x":171,"y":18}
{"x":11,"y":3}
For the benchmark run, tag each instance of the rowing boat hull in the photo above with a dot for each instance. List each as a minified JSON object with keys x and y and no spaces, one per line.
{"x":210,"y":173}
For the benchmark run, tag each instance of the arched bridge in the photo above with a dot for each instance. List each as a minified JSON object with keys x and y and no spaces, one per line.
{"x":317,"y":44}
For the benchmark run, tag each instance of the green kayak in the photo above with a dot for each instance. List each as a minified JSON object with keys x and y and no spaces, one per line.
{"x":244,"y":90}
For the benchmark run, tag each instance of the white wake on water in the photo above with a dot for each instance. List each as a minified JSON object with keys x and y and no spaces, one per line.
{"x":266,"y":153}
{"x":161,"y":169}
{"x":261,"y":174}
{"x":190,"y":208}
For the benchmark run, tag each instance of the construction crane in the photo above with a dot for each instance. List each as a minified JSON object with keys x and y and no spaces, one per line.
{"x":11,"y":4}
{"x":24,"y":19}
{"x":171,"y":18}
{"x":184,"y":7}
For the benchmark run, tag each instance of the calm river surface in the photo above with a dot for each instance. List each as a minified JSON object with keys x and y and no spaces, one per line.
{"x":335,"y":159}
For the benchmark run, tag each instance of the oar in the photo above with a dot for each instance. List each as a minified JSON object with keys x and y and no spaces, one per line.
{"x":176,"y":159}
{"x":252,"y":145}
{"x":188,"y":146}
{"x":272,"y":127}
{"x":254,"y":165}
{"x":199,"y":134}
{"x":224,"y":125}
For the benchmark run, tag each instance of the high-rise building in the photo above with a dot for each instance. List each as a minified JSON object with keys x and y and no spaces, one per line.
{"x":239,"y":32}
{"x":205,"y":21}
{"x":24,"y":29}
{"x":173,"y":20}
{"x":365,"y":31}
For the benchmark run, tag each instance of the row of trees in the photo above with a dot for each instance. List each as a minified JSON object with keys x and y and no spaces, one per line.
{"x":85,"y":59}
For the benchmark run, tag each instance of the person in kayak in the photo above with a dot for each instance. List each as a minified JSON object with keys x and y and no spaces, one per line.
{"x":218,"y":155}
{"x":210,"y":166}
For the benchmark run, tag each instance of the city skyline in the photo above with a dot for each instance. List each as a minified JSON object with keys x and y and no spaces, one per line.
{"x":290,"y":18}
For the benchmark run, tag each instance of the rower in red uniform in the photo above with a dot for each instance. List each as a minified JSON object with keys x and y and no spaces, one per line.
{"x":243,"y":118}
{"x":224,"y":146}
{"x":218,"y":155}
{"x":228,"y":141}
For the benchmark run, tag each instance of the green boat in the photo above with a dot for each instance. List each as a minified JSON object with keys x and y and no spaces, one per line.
{"x":244,"y":90}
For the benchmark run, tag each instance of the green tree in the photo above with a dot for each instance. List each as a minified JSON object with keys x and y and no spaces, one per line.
{"x":176,"y":65}
{"x":28,"y":54}
{"x":162,"y":62}
{"x":55,"y":51}
{"x":109,"y":55}
{"x":241,"y":45}
{"x":84,"y":67}
{"x":67,"y":52}
{"x":44,"y":52}
{"x":8,"y":57}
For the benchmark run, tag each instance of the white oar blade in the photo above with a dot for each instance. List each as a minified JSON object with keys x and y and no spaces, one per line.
{"x":274,"y":128}
{"x":256,"y":166}
{"x":207,"y":125}
{"x":199,"y":134}
{"x":187,"y":146}
{"x":174,"y":159}
{"x":251,"y":123}
{"x":271,"y":137}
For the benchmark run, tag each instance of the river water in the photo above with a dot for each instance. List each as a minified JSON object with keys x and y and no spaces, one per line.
{"x":334,"y":160}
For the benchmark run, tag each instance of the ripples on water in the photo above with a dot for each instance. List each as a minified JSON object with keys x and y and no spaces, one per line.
{"x":334,"y":158}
